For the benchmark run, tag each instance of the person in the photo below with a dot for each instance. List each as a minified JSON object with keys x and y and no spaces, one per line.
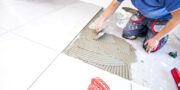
{"x":155,"y":19}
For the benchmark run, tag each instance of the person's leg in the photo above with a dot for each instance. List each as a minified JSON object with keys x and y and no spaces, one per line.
{"x":155,"y":26}
{"x":135,"y":27}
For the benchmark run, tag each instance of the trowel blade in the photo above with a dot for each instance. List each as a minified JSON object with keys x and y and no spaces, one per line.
{"x":100,"y":35}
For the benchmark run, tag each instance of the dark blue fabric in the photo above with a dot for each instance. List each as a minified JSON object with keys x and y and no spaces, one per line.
{"x":172,"y":5}
{"x":144,"y":28}
{"x":120,"y":0}
{"x":156,"y":9}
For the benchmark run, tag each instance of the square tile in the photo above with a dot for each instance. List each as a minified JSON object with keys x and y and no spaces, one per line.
{"x":2,"y":32}
{"x":19,"y":12}
{"x":58,"y":29}
{"x":21,"y":62}
{"x":68,"y":73}
{"x":6,"y":3}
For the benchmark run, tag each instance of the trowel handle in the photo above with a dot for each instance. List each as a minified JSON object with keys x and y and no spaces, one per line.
{"x":176,"y":75}
{"x":102,"y":30}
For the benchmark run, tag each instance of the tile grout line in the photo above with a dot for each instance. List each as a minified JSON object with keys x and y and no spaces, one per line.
{"x":176,"y":37}
{"x":50,"y":12}
{"x":55,"y":50}
{"x":44,"y":71}
{"x":35,"y":19}
{"x":4,"y":33}
{"x":4,"y":29}
{"x":11,"y":31}
{"x":56,"y":56}
{"x":82,"y":29}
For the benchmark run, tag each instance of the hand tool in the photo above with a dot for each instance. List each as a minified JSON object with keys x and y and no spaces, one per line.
{"x":100,"y":34}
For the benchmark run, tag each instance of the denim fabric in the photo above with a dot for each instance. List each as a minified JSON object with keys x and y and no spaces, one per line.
{"x":142,"y":26}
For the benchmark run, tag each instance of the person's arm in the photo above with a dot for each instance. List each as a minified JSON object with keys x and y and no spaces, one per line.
{"x":108,"y":12}
{"x":173,"y":22}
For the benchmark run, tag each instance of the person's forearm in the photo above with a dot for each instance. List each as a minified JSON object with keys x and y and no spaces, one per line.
{"x":167,"y":29}
{"x":110,"y":10}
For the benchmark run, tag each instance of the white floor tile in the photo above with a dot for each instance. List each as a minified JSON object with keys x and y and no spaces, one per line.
{"x":21,"y":61}
{"x":67,"y":73}
{"x":58,"y":29}
{"x":19,"y":12}
{"x":3,"y":3}
{"x":2,"y":32}
{"x":138,"y":87}
{"x":49,"y":2}
{"x":6,"y":3}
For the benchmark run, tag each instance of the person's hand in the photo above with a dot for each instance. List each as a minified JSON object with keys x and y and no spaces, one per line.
{"x":98,"y":27}
{"x":151,"y":44}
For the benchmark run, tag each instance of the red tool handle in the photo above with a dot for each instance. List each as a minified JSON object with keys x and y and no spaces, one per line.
{"x":98,"y":84}
{"x":176,"y":75}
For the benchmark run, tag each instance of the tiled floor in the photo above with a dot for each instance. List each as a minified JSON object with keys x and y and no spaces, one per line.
{"x":21,"y":61}
{"x":68,"y":73}
{"x":16,"y":13}
{"x":33,"y":33}
{"x":59,"y":26}
{"x":2,"y":32}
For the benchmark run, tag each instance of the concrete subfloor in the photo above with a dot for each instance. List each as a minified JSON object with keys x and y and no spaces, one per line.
{"x":150,"y":70}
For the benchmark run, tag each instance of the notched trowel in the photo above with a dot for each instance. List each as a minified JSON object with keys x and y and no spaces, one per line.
{"x":100,"y":34}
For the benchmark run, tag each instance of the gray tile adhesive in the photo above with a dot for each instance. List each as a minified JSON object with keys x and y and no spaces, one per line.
{"x":110,"y":53}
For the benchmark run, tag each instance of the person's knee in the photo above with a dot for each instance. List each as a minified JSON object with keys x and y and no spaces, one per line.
{"x":126,"y":33}
{"x":129,"y":34}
